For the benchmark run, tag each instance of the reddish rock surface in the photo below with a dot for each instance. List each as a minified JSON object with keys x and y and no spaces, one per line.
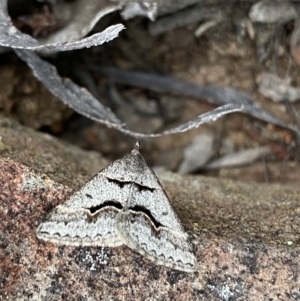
{"x":245,"y":236}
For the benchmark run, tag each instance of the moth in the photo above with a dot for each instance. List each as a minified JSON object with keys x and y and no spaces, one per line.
{"x":123,"y":204}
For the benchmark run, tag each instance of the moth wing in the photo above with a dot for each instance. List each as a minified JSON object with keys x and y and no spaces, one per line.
{"x":88,"y":216}
{"x":80,"y":228}
{"x":160,"y":244}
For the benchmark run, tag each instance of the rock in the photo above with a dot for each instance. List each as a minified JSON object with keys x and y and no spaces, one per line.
{"x":64,"y":163}
{"x":27,"y":100}
{"x":245,"y":236}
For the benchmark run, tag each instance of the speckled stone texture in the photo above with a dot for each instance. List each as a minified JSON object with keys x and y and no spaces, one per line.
{"x":245,"y":236}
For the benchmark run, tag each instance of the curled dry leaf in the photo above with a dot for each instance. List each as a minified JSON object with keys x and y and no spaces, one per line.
{"x":152,"y":8}
{"x":213,"y":94}
{"x":83,"y":102}
{"x":170,"y":6}
{"x":11,"y":37}
{"x":165,"y":84}
{"x":197,"y":153}
{"x":78,"y":18}
{"x":195,"y":14}
{"x":77,"y":98}
{"x":240,"y":158}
